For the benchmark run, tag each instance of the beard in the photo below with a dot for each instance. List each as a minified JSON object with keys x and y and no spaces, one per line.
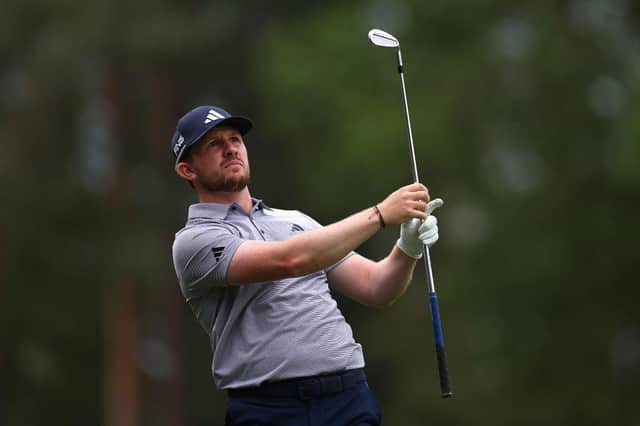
{"x":226,"y":184}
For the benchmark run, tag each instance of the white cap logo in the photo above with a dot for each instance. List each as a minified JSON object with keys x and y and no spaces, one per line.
{"x":212,"y":116}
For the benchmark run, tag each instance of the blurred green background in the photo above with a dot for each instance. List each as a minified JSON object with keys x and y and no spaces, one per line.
{"x":525,"y":118}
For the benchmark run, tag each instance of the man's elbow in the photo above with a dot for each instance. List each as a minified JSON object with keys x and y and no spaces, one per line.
{"x":247,"y":268}
{"x":297,"y":265}
{"x":383,"y":300}
{"x":382,"y":303}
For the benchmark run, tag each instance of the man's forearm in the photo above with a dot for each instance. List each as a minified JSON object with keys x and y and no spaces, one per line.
{"x":390,"y":277}
{"x":262,"y":261}
{"x":311,"y":251}
{"x":315,"y":250}
{"x":321,"y":248}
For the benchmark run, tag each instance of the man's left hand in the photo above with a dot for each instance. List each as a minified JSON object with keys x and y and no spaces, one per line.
{"x":414,"y":233}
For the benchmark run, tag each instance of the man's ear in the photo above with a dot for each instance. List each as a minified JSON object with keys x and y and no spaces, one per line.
{"x":185,"y":171}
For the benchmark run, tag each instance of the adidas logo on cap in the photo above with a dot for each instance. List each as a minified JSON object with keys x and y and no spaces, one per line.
{"x":212,"y":115}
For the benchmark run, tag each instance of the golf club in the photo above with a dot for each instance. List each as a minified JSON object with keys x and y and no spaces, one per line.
{"x":384,"y":39}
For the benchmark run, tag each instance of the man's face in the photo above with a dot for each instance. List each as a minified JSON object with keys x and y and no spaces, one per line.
{"x":220,"y":161}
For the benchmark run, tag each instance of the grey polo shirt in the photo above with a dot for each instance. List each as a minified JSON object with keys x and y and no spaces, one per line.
{"x":259,"y":332}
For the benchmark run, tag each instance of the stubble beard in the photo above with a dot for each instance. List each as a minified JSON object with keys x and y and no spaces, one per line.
{"x":224,"y":184}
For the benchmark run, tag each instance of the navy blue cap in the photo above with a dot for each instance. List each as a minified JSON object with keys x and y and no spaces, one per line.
{"x":196,"y":123}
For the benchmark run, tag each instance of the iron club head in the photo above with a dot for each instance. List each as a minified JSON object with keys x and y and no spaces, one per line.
{"x":382,"y":38}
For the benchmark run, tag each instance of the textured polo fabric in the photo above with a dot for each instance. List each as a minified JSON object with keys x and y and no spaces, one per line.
{"x":259,"y":332}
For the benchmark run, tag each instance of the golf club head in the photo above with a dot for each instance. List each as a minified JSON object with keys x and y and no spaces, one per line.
{"x":382,"y":38}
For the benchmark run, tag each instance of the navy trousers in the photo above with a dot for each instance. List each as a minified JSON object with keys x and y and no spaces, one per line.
{"x":355,"y":406}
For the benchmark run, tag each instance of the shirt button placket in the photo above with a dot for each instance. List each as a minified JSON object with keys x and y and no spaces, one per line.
{"x":257,"y":228}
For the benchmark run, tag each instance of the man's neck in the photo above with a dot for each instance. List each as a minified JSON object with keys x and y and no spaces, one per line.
{"x":242,"y":198}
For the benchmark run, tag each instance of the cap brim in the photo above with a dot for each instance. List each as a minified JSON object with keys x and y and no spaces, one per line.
{"x":241,"y":124}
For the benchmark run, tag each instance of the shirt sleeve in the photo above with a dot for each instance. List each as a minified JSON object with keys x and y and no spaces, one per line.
{"x":201,"y":258}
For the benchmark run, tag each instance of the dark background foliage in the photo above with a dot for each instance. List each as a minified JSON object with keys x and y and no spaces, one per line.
{"x":525,"y":121}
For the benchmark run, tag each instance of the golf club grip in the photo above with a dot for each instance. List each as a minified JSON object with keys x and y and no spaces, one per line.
{"x":445,"y":388}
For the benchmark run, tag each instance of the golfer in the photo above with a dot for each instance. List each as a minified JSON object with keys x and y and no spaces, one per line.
{"x":257,"y":279}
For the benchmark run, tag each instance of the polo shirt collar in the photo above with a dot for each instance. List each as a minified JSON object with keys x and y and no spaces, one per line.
{"x":219,"y":211}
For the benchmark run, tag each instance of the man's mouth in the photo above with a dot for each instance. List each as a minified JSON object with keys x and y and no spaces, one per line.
{"x":232,"y":163}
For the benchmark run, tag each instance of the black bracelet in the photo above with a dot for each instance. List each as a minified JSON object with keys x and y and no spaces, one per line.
{"x":380,"y":218}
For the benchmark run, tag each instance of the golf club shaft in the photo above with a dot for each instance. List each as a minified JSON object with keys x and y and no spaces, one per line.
{"x":412,"y":152}
{"x":445,"y":388}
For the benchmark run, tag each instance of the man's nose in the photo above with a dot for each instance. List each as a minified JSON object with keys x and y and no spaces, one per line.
{"x":229,"y":149}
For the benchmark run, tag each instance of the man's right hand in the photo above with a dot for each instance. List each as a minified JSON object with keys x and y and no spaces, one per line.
{"x":404,"y":204}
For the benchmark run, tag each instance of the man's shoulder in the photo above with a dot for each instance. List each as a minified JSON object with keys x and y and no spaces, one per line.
{"x":300,"y":220}
{"x":196,"y":229}
{"x":289,"y":213}
{"x":286,"y":212}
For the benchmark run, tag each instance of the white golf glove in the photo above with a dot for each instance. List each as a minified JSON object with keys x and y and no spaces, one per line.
{"x":415,"y":233}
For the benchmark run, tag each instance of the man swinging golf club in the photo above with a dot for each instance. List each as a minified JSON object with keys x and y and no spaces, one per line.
{"x":257,"y":279}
